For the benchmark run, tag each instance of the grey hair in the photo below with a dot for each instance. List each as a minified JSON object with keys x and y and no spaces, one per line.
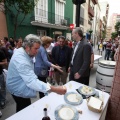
{"x":30,"y":40}
{"x":79,"y":31}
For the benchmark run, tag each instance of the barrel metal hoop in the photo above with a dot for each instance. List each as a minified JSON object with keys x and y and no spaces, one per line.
{"x":104,"y":74}
{"x":107,"y":67}
{"x":102,"y":85}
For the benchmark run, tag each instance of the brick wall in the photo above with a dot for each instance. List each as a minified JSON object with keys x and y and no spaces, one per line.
{"x":113,"y":112}
{"x":3,"y":26}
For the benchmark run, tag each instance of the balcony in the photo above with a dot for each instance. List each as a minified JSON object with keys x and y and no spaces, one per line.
{"x":90,"y":11}
{"x":51,"y":20}
{"x":95,"y":1}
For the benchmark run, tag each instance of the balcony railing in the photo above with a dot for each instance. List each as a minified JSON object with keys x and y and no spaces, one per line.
{"x":91,"y":11}
{"x":51,"y":18}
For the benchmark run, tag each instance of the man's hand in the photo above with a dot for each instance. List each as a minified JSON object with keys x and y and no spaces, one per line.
{"x":91,"y":65}
{"x":77,"y":76}
{"x":59,"y":90}
{"x":68,"y":69}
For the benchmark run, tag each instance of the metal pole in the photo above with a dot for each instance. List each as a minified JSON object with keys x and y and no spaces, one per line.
{"x":78,"y":14}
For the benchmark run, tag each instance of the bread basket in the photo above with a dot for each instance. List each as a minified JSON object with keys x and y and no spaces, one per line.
{"x":92,"y":107}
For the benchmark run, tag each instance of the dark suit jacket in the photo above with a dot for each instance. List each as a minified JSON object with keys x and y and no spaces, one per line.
{"x":56,"y":53}
{"x":81,"y":61}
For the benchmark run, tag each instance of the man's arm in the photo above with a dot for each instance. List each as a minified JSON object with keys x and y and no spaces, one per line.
{"x":86,"y":59}
{"x":3,"y":58}
{"x":92,"y":60}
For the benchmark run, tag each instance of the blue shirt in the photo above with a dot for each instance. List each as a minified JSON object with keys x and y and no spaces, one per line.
{"x":42,"y":62}
{"x":21,"y":79}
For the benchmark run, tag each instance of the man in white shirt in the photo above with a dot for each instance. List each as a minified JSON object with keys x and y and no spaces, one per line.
{"x":21,"y":81}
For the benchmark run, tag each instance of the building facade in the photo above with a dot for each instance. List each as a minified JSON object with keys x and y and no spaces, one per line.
{"x":3,"y":24}
{"x":108,"y":32}
{"x":50,"y":17}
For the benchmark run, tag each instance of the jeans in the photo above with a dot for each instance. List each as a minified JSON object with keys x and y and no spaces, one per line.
{"x":107,"y":54}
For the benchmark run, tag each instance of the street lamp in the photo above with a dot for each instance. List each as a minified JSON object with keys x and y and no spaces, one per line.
{"x":90,"y":31}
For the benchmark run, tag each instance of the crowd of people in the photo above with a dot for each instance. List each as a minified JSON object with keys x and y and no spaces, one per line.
{"x":32,"y":61}
{"x":110,"y":47}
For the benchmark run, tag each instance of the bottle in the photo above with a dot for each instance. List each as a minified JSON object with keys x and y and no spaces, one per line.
{"x":45,"y":115}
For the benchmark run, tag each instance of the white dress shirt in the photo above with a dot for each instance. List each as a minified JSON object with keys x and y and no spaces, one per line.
{"x":76,"y":47}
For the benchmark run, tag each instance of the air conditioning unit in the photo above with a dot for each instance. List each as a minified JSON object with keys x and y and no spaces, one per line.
{"x":63,"y":22}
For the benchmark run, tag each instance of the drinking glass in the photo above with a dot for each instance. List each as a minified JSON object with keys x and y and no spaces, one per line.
{"x":102,"y":94}
{"x":48,"y":107}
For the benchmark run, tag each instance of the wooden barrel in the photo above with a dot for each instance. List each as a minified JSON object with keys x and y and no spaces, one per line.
{"x":104,"y":74}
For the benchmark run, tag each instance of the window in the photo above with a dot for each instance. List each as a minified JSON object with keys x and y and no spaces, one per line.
{"x":59,"y":11}
{"x":41,"y":11}
{"x":41,"y":33}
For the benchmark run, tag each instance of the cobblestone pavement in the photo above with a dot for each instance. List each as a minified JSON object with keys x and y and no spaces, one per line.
{"x":10,"y":104}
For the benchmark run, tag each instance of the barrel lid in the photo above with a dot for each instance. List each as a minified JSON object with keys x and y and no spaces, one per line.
{"x":107,"y":63}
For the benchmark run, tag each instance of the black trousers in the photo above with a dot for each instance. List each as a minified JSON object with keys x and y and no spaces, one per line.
{"x":41,"y":95}
{"x":21,"y":103}
{"x":83,"y":80}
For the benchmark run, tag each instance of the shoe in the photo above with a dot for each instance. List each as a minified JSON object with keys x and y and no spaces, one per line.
{"x":2,"y":104}
{"x":0,"y":114}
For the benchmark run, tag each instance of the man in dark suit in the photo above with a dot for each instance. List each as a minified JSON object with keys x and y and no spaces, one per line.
{"x":81,"y":57}
{"x":61,"y":56}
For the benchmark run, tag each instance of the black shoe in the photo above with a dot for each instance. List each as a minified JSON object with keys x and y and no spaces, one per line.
{"x":2,"y":104}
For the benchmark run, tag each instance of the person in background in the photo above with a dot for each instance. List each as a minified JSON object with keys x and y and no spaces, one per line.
{"x":61,"y":55}
{"x":3,"y":61}
{"x":56,"y":43}
{"x":81,"y":58}
{"x":98,"y":44}
{"x":18,"y":44}
{"x":11,"y":40}
{"x":108,"y":49}
{"x":104,"y":45}
{"x":21,"y":80}
{"x":10,"y":51}
{"x":42,"y":62}
{"x":70,"y":44}
{"x":6,"y":42}
{"x":91,"y":42}
{"x":5,"y":50}
{"x":100,"y":48}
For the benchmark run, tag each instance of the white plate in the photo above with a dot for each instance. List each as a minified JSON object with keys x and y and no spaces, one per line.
{"x":66,"y":112}
{"x":86,"y":90}
{"x":73,"y":98}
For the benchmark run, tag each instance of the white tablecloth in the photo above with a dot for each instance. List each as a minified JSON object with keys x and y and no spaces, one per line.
{"x":97,"y":57}
{"x":35,"y":110}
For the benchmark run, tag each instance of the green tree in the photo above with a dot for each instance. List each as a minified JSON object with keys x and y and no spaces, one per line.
{"x":17,"y":8}
{"x":103,"y":34}
{"x":114,"y":35}
{"x":117,"y":28}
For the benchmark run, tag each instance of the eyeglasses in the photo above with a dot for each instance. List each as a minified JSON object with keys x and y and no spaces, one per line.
{"x":62,"y":37}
